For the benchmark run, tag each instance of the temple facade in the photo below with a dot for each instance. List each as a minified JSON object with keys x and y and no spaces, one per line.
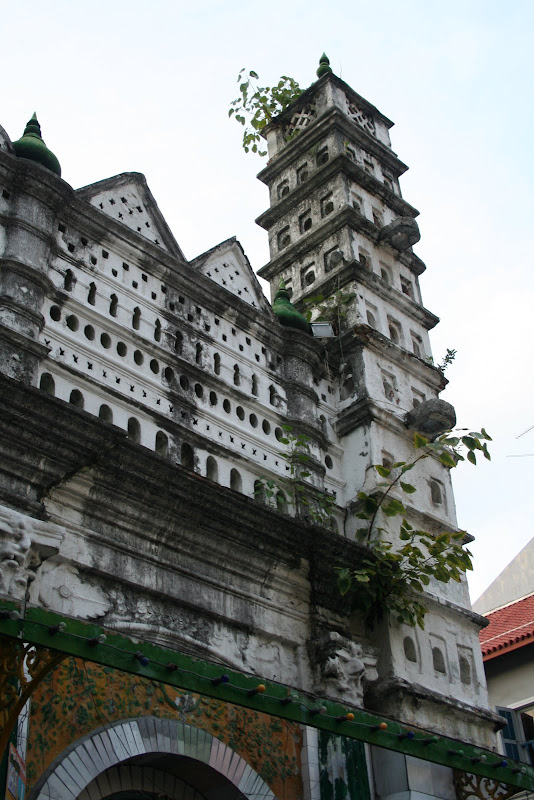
{"x":153,"y":410}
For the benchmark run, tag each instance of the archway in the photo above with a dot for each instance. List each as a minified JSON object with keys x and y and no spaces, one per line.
{"x":150,"y":759}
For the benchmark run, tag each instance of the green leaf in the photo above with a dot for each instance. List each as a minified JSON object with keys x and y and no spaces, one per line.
{"x":471,"y":443}
{"x":407,"y":487}
{"x":419,"y":440}
{"x":384,"y":472}
{"x":253,"y":74}
{"x":393,"y":508}
{"x":471,"y":457}
{"x":485,"y":435}
{"x":447,"y":460}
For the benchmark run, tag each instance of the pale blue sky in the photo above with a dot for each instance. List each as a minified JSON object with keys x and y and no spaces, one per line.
{"x":122,"y":86}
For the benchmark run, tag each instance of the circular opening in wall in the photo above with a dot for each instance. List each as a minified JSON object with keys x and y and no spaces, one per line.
{"x":184,"y":382}
{"x":121,"y":349}
{"x":55,"y":313}
{"x":328,"y":461}
{"x":266,"y":426}
{"x":199,"y":391}
{"x":213,"y":398}
{"x":279,"y":433}
{"x":105,"y":341}
{"x":253,"y":420}
{"x":138,"y":357}
{"x":154,"y":366}
{"x":227,"y":407}
{"x":89,"y":332}
{"x":72,"y":322}
{"x":169,"y":374}
{"x":240,"y":413}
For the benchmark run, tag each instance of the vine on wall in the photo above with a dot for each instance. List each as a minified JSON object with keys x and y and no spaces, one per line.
{"x":394,"y":576}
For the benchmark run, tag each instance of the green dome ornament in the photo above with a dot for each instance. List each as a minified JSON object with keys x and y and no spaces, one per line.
{"x":324,"y":66}
{"x":286,"y":312}
{"x":32,"y":147}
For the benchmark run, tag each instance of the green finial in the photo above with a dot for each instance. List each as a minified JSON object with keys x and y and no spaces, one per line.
{"x":286,"y":312}
{"x":324,"y":66}
{"x":32,"y":147}
{"x":33,"y":127}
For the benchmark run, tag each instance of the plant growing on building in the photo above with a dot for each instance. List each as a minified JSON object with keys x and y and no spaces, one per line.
{"x":318,"y":507}
{"x":448,"y":358}
{"x":257,"y":105}
{"x":446,"y":361}
{"x":333,"y":309}
{"x":393,"y":577}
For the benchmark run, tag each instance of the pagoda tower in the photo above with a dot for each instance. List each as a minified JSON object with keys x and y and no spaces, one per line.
{"x":341,"y":238}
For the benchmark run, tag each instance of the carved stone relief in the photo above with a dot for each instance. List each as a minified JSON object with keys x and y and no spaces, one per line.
{"x":346,"y":668}
{"x":24,"y":544}
{"x":60,"y":588}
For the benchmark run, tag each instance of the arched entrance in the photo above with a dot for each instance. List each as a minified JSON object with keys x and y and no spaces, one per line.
{"x":150,"y":759}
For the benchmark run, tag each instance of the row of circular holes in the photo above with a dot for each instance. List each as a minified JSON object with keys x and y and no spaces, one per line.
{"x":72,"y":323}
{"x":105,"y":339}
{"x":190,"y":317}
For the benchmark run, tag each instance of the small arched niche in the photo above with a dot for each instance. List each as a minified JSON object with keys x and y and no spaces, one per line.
{"x":76,"y":398}
{"x":438,"y":661}
{"x":212,"y":470}
{"x":47,"y":384}
{"x":105,"y":413}
{"x":281,"y":502}
{"x":465,"y":670}
{"x":259,"y":491}
{"x":409,"y":649}
{"x":134,"y":430}
{"x":162,"y":443}
{"x":187,"y":457}
{"x":236,"y":482}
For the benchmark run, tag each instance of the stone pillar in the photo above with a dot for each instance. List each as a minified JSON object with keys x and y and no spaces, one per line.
{"x":400,"y":777}
{"x":301,"y":363}
{"x":36,"y":197}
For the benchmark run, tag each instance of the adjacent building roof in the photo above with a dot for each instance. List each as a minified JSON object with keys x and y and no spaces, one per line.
{"x":513,"y":583}
{"x":509,"y":628}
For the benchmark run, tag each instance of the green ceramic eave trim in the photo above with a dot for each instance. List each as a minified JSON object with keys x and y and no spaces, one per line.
{"x":197,"y":675}
{"x":324,"y":66}
{"x":32,"y":147}
{"x":286,"y":312}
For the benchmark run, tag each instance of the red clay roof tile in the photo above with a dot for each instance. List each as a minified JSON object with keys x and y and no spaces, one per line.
{"x":508,"y":628}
